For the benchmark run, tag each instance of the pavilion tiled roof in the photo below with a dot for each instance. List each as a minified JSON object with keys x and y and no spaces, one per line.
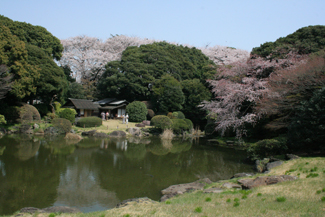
{"x":84,"y":104}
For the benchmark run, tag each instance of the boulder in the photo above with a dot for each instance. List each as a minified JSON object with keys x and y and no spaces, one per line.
{"x":53,"y":131}
{"x":173,"y":190}
{"x":35,"y":126}
{"x":142,"y":200}
{"x":291,"y":156}
{"x":213,"y":190}
{"x":265,"y":180}
{"x":140,"y":125}
{"x":25,"y":129}
{"x":101,"y":135}
{"x":134,"y":131}
{"x":271,"y":165}
{"x":260,"y":165}
{"x":230,"y":185}
{"x":89,"y":133}
{"x":146,"y":123}
{"x":3,"y":130}
{"x":238,"y":175}
{"x":71,"y":136}
{"x":117,"y":134}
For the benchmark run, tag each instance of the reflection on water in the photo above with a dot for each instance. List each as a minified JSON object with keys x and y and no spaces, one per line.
{"x":96,"y":174}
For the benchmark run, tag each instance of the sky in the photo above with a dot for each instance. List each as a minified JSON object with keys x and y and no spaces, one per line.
{"x":243,"y":24}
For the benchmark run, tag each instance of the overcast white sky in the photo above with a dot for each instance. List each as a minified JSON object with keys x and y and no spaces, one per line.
{"x":242,"y":24}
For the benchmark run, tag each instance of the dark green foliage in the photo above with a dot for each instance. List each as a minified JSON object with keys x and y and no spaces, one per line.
{"x":304,"y":41}
{"x":133,"y":76}
{"x":34,"y":35}
{"x":89,"y":122}
{"x":137,"y":111}
{"x":189,"y":123}
{"x":179,"y":125}
{"x":208,"y":199}
{"x":161,"y":122}
{"x":68,"y":114}
{"x":210,"y":129}
{"x":323,"y":199}
{"x":180,"y":115}
{"x":62,"y":124}
{"x":76,"y":91}
{"x":195,"y":93}
{"x":307,"y":130}
{"x":167,"y":94}
{"x":42,"y":108}
{"x":52,"y":79}
{"x":11,"y":113}
{"x":266,"y":148}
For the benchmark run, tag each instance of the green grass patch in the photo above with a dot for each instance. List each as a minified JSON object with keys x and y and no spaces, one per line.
{"x":236,"y":204}
{"x":198,"y":209}
{"x":312,"y":175}
{"x":208,"y":199}
{"x":281,"y":199}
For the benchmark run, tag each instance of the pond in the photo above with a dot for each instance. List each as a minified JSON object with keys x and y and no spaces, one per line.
{"x":96,"y":174}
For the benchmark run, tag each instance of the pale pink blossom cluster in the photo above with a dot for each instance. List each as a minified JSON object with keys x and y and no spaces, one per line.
{"x":87,"y":56}
{"x":239,"y":87}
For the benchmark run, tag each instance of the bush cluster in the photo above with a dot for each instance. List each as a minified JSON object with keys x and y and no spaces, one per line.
{"x":68,"y":114}
{"x":137,"y":111}
{"x":180,"y":125}
{"x":161,"y":122}
{"x":62,"y":124}
{"x":266,"y":148}
{"x":89,"y":122}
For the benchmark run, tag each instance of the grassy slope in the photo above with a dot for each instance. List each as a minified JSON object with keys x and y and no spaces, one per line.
{"x":303,"y":198}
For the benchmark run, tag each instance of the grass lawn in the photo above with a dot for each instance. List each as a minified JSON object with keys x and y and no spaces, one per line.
{"x":108,"y":126}
{"x":302,"y":197}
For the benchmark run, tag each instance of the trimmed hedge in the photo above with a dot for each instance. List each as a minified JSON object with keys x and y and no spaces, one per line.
{"x":180,"y":115}
{"x":179,"y":125}
{"x":266,"y":148}
{"x":137,"y":111}
{"x":89,"y":122}
{"x":189,"y":124}
{"x":62,"y":124}
{"x":162,"y":122}
{"x":68,"y":114}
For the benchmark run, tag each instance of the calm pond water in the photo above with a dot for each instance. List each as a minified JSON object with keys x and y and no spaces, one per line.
{"x":96,"y":174}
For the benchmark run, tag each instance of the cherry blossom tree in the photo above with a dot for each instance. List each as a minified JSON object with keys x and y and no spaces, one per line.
{"x":86,"y":57}
{"x":239,"y":87}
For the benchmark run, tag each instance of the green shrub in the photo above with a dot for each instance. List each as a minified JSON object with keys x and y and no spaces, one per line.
{"x":180,"y":115}
{"x":62,"y":124}
{"x":161,"y":122}
{"x":150,"y":114}
{"x":137,"y":111}
{"x":89,"y":122}
{"x":236,"y":204}
{"x":51,"y":116}
{"x":2,"y":119}
{"x":68,"y":114}
{"x":323,"y":199}
{"x":266,"y":148}
{"x":189,"y":123}
{"x":170,"y":115}
{"x":208,"y":199}
{"x":179,"y":125}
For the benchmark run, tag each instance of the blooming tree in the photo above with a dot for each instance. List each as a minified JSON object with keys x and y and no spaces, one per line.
{"x":85,"y":56}
{"x":239,"y":87}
